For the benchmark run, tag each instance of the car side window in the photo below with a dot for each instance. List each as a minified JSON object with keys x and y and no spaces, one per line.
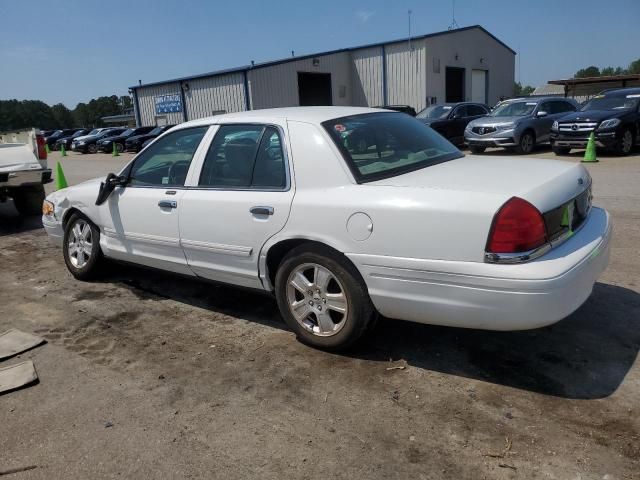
{"x":476,"y":110}
{"x":244,"y":156}
{"x":562,"y":107}
{"x":461,"y":112}
{"x":546,"y":107}
{"x":165,"y":162}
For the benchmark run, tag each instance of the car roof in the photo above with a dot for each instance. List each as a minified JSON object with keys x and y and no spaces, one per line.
{"x":620,"y":92}
{"x":301,"y":114}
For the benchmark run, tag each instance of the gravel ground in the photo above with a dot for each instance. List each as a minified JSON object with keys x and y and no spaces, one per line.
{"x":146,"y":375}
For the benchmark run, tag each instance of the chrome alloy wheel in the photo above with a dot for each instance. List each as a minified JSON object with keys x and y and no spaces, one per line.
{"x":527,"y":143}
{"x":317,"y":299}
{"x":80,"y":244}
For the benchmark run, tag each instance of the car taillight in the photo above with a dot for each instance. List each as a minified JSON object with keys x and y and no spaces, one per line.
{"x":42,"y":152}
{"x":517,"y":227}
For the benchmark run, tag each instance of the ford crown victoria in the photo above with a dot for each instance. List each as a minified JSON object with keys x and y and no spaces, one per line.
{"x":339,"y":231}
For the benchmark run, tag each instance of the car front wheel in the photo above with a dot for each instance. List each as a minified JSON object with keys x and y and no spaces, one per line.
{"x":625,"y":144}
{"x":322,"y":298}
{"x":93,"y":148}
{"x":527,"y":141}
{"x":81,"y":248}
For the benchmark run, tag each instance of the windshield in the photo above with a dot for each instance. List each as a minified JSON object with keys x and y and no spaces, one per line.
{"x":382,"y":145}
{"x":95,"y":131}
{"x":435,"y":111}
{"x":612,"y":103}
{"x":513,"y":109}
{"x":128,"y":132}
{"x":79,"y":133}
{"x":156,"y":131}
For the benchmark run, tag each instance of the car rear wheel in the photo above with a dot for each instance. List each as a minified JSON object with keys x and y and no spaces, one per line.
{"x":81,"y":248}
{"x":561,"y":150}
{"x":477,"y":149}
{"x":527,"y":141}
{"x":625,"y":144}
{"x":28,"y":200}
{"x":322,"y":298}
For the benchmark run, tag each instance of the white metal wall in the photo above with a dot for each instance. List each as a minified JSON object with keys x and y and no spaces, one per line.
{"x":148,"y":107}
{"x":475,"y":50}
{"x":214,"y":94}
{"x":367,"y":77}
{"x":277,"y":85}
{"x":406,"y":77}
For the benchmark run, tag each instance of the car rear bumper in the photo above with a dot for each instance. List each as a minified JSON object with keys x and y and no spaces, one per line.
{"x":490,"y":296}
{"x":25,"y":178}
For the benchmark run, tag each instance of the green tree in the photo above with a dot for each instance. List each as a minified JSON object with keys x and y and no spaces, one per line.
{"x":591,"y":71}
{"x":522,"y":91}
{"x":62,"y":116}
{"x":634,"y":67}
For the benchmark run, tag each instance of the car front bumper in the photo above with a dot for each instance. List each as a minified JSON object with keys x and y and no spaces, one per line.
{"x":491,"y":296}
{"x":500,"y":138}
{"x":603,"y":140}
{"x":54,"y":229}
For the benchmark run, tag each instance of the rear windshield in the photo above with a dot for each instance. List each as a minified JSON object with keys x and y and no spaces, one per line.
{"x":382,"y":145}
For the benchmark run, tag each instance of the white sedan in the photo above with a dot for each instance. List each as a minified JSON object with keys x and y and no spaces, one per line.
{"x":346,"y":213}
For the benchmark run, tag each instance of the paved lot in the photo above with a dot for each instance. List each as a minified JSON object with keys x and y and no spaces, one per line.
{"x":150,"y":376}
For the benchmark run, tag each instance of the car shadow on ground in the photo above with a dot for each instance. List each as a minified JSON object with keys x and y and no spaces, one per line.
{"x":585,"y":356}
{"x":11,"y":222}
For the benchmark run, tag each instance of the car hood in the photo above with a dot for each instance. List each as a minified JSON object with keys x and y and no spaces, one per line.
{"x":493,"y":121}
{"x":593,"y":115}
{"x":544,"y":183}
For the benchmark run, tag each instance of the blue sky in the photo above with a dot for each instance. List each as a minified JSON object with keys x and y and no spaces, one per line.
{"x":73,"y":50}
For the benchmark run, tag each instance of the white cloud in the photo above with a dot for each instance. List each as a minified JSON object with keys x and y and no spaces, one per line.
{"x":364,"y":15}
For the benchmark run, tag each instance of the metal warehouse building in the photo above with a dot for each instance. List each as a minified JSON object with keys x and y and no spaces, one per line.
{"x":465,"y":64}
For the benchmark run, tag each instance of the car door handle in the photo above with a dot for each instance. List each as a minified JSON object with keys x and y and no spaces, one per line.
{"x":168,"y":204}
{"x":261,"y":210}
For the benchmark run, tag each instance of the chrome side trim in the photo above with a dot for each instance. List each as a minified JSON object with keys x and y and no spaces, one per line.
{"x":235,"y":250}
{"x":141,"y":237}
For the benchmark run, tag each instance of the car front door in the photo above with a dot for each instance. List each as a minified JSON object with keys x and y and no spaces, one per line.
{"x":241,"y":197}
{"x":458,"y":120}
{"x":542,"y":125}
{"x":141,"y":219}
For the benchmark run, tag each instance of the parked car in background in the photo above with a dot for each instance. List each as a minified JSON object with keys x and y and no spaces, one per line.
{"x":450,"y":119}
{"x":135,"y":142}
{"x":66,"y":141}
{"x":408,"y":109}
{"x":518,"y":124}
{"x":89,"y":143}
{"x":106,"y":144}
{"x":23,"y":170}
{"x":407,"y":227}
{"x":613,"y":117}
{"x":46,"y":133}
{"x":57,"y":135}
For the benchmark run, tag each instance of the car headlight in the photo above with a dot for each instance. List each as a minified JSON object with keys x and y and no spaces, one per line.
{"x":82,"y":142}
{"x":48,"y":208}
{"x":611,"y":123}
{"x":554,"y":127}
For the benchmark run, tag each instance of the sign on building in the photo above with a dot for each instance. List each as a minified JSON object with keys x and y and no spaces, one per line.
{"x":168,"y":103}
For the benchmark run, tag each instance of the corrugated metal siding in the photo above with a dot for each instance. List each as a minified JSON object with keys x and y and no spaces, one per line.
{"x":367,"y":77}
{"x":148,"y":107}
{"x":406,"y":75}
{"x":277,"y":85}
{"x":208,"y":95}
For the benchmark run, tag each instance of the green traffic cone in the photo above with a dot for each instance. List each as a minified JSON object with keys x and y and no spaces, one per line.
{"x":115,"y":153}
{"x":590,"y":152}
{"x":63,"y":152}
{"x":61,"y":181}
{"x":46,"y":148}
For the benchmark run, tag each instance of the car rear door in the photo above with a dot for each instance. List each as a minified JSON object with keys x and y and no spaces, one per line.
{"x":237,"y":200}
{"x":140,"y":221}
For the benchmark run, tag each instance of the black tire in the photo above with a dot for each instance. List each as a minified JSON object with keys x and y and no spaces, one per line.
{"x":624,"y":146}
{"x":92,"y":148}
{"x":92,"y":267}
{"x":119,"y":147}
{"x":28,"y":200}
{"x":476,"y":149}
{"x":561,"y":150}
{"x":526,"y":143}
{"x":361,"y":313}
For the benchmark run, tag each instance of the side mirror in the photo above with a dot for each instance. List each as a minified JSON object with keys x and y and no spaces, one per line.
{"x":541,"y":113}
{"x":110,"y":183}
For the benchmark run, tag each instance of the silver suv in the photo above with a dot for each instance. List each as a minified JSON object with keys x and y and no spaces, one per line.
{"x":518,"y":123}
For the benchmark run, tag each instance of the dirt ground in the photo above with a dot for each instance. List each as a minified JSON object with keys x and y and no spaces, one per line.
{"x":145,"y":375}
